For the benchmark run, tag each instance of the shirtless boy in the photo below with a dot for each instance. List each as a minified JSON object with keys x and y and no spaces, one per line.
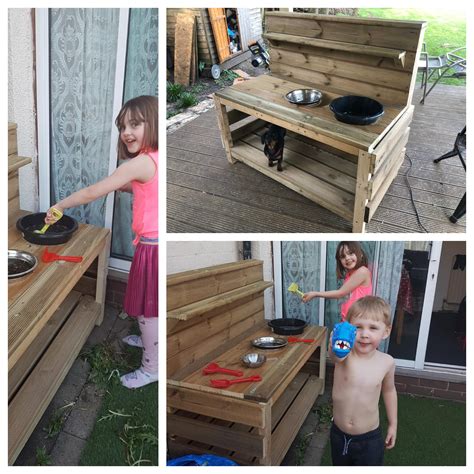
{"x":359,"y":378}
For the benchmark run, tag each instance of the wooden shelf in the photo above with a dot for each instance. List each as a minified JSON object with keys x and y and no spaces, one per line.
{"x":15,"y":162}
{"x":306,"y":175}
{"x":198,"y":308}
{"x":397,"y":55}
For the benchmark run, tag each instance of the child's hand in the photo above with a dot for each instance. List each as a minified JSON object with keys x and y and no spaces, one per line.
{"x":50,"y":219}
{"x":308,"y":296}
{"x":391,"y":437}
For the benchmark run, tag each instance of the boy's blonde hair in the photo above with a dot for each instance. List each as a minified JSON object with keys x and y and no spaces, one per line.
{"x":142,"y":109}
{"x":370,"y":307}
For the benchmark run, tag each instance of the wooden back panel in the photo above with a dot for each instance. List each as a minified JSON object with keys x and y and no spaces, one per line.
{"x":195,"y":285}
{"x":190,"y":342}
{"x":371,"y":57}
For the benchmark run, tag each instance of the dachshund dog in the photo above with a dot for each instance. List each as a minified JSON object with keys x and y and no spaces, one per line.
{"x":274,"y":140}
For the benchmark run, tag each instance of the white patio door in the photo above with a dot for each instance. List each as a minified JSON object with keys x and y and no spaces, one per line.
{"x":82,"y":59}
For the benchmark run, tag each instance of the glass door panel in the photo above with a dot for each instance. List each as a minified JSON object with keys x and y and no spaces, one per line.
{"x":411,"y":296}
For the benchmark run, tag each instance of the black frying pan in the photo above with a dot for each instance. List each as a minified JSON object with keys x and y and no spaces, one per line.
{"x":56,"y":234}
{"x":287,"y":326}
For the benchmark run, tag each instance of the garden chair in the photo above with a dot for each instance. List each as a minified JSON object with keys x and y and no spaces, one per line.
{"x":459,"y":150}
{"x":449,"y":65}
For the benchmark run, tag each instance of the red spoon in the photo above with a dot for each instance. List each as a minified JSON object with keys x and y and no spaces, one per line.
{"x":214,"y":368}
{"x":224,"y":383}
{"x":52,"y":257}
{"x":297,"y":339}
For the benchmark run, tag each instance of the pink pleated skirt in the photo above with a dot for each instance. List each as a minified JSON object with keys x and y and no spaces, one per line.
{"x":141,"y":295}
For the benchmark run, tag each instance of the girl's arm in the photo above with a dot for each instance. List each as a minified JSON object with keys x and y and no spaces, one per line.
{"x":389,"y":394}
{"x":358,"y":278}
{"x":140,"y":168}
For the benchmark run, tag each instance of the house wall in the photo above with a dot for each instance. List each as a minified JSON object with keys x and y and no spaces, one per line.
{"x":184,"y":256}
{"x":450,"y":249}
{"x":21,"y":99}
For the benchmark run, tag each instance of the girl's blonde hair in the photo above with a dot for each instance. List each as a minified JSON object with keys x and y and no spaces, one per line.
{"x":142,"y":109}
{"x":352,"y":247}
{"x":370,"y":307}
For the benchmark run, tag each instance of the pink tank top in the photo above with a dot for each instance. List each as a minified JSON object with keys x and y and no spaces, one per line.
{"x":354,"y":295}
{"x":145,"y":205}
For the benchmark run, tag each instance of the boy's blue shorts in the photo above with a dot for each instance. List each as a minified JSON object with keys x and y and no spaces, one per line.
{"x":357,"y":450}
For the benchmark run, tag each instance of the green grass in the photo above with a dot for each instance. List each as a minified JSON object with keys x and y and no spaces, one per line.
{"x":430,"y":433}
{"x":126,"y":430}
{"x":446,"y":29}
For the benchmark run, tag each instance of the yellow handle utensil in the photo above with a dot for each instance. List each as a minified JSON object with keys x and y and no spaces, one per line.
{"x":293,"y":288}
{"x":57,"y":214}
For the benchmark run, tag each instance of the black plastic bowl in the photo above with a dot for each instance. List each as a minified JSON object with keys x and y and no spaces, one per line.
{"x":56,"y":234}
{"x":356,"y":110}
{"x":287,"y":326}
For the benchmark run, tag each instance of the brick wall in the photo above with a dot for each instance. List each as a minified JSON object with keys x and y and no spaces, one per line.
{"x":424,"y":387}
{"x":115,"y":292}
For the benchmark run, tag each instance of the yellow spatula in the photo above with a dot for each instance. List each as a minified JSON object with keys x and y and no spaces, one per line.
{"x":293,"y":288}
{"x":57,"y":214}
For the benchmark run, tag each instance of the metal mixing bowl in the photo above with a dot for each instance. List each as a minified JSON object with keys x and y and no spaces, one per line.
{"x":253,"y":359}
{"x":310,"y":97}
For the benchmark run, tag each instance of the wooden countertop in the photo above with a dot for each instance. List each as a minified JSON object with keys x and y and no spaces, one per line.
{"x":277,"y":372}
{"x":265,"y":94}
{"x":34,"y":298}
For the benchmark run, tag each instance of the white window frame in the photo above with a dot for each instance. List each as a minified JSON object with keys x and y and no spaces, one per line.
{"x":42,"y":94}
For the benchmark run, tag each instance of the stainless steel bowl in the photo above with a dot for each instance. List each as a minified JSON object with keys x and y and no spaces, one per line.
{"x":20,"y":263}
{"x":309,"y":97}
{"x":253,"y":359}
{"x":269,"y":342}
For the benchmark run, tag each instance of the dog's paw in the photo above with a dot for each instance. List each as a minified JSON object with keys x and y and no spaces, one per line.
{"x":270,"y":163}
{"x":279,"y":168}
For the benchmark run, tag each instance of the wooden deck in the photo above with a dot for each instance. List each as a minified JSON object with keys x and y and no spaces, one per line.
{"x":207,"y":194}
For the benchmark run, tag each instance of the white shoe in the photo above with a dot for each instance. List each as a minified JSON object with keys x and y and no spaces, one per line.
{"x":138,"y":378}
{"x":133,"y":340}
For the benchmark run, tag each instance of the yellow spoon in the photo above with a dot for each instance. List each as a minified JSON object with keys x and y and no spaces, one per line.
{"x":57,"y":214}
{"x":293,"y":288}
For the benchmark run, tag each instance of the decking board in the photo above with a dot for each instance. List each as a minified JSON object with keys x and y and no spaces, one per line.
{"x":207,"y":194}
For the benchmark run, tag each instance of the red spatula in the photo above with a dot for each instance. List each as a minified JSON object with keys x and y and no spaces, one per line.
{"x":224,"y":383}
{"x":297,"y":339}
{"x":52,"y":257}
{"x":214,"y":368}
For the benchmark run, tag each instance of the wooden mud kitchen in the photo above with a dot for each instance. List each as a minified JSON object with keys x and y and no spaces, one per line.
{"x":51,"y":312}
{"x":343,"y":167}
{"x":213,"y":316}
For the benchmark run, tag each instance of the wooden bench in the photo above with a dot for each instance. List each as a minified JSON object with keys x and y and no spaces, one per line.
{"x":213,"y":315}
{"x":51,"y":312}
{"x":345,"y":168}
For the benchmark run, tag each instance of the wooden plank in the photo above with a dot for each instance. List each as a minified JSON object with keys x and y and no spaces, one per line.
{"x":398,"y":55}
{"x":215,"y":406}
{"x":289,"y":426}
{"x":13,"y":187}
{"x":12,"y":139}
{"x":15,"y":162}
{"x":27,"y":407}
{"x":248,"y":126}
{"x":26,"y":362}
{"x":219,"y":28}
{"x":184,"y":48}
{"x":185,"y":288}
{"x":334,"y":199}
{"x":224,"y":126}
{"x":101,"y":278}
{"x":361,"y":195}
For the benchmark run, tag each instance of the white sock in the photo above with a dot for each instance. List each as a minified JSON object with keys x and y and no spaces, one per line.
{"x":138,"y":378}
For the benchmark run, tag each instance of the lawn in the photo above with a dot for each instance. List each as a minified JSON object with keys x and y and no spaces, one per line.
{"x":430,"y":433}
{"x":446,"y":29}
{"x":126,"y":430}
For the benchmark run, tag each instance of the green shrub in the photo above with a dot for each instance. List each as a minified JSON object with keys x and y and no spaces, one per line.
{"x":173,"y":91}
{"x":187,"y":99}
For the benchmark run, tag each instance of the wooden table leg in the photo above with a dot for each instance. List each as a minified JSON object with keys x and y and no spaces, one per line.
{"x":224,"y":127}
{"x":101,"y":284}
{"x":266,"y":432}
{"x":322,"y":361}
{"x":361,"y":194}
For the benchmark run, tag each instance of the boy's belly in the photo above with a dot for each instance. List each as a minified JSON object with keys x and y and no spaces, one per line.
{"x":354,"y":414}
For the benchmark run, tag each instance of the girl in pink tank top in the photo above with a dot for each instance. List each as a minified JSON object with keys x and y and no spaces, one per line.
{"x":137,"y":123}
{"x":351,"y":264}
